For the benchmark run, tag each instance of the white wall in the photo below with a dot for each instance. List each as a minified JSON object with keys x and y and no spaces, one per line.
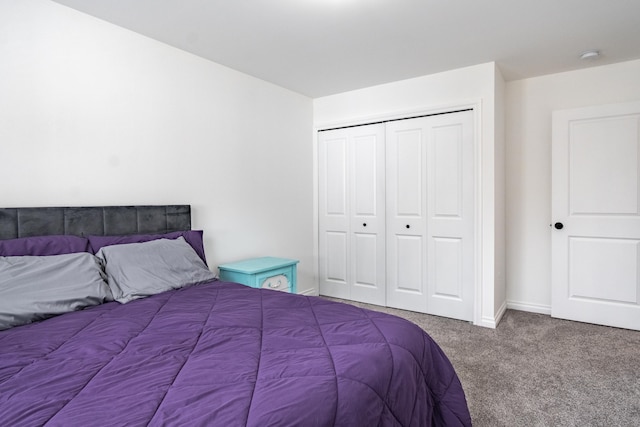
{"x":500,"y":293}
{"x":93,"y":114}
{"x":529,"y":104}
{"x":471,"y":85}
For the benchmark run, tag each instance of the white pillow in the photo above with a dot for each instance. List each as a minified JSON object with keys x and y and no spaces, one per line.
{"x":137,"y":270}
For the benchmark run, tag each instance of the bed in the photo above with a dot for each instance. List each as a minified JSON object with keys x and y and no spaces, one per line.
{"x":110,"y":316}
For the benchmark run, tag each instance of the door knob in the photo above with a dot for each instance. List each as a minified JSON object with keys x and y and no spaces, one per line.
{"x":558,"y":225}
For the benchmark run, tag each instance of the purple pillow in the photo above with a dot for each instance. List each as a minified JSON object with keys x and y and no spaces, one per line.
{"x":44,"y":245}
{"x":193,"y":237}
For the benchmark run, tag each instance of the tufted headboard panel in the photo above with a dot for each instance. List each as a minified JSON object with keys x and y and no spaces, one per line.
{"x":94,"y":220}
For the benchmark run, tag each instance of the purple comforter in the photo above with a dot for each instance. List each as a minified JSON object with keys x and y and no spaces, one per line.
{"x":223,"y":354}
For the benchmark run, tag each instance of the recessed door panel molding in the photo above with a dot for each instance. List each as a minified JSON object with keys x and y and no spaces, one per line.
{"x":335,"y":254}
{"x":365,"y":175}
{"x":406,"y":276}
{"x":336,"y":176}
{"x":447,"y":268}
{"x":447,"y":163}
{"x":604,"y":269}
{"x":365,"y":255}
{"x":595,"y":145}
{"x":595,"y":233}
{"x":408,"y":180}
{"x":409,"y":271}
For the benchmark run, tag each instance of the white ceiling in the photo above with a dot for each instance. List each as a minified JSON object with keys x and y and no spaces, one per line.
{"x":322,"y":47}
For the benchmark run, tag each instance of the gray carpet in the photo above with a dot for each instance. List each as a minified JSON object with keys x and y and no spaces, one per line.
{"x":533,"y":370}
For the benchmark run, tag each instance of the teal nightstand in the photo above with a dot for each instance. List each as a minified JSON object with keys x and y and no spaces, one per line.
{"x":268,"y":272}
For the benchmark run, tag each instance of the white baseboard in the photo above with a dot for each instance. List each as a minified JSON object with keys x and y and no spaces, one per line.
{"x":532,"y":308}
{"x":500,"y":313}
{"x":486,"y":322}
{"x":492,"y":322}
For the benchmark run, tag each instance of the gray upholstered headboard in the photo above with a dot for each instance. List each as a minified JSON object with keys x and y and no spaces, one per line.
{"x":95,"y":220}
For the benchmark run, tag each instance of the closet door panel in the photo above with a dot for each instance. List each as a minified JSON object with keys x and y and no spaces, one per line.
{"x":351,"y":218}
{"x":450,"y":215}
{"x":333,"y":215}
{"x":367,"y":214}
{"x":406,"y":208}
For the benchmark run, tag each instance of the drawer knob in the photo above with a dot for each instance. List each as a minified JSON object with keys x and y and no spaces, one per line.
{"x":275,"y":285}
{"x":277,"y":282}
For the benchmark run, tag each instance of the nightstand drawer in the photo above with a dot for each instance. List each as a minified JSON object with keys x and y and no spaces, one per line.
{"x":276,"y":280}
{"x":279,"y":274}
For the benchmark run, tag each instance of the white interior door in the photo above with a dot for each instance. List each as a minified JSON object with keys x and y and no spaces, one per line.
{"x":352,"y":212}
{"x":430,"y":215}
{"x":596,"y":215}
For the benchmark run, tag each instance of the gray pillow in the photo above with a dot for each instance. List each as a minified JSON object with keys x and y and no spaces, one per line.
{"x":37,"y":287}
{"x":137,"y":270}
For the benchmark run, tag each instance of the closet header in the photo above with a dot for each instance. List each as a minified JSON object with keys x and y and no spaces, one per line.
{"x":395,"y":120}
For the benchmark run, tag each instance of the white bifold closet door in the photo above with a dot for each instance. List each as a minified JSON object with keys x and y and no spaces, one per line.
{"x":430,"y":214}
{"x":396,"y":214}
{"x":351,"y":213}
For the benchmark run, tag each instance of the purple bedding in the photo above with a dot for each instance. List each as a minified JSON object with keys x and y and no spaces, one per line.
{"x":222,"y":354}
